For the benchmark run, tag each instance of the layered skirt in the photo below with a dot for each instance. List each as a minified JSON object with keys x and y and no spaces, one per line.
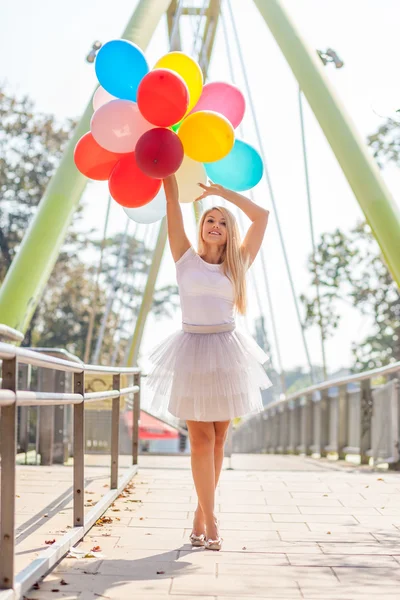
{"x":207,"y":373}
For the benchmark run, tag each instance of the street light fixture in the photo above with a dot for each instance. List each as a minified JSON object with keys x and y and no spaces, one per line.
{"x":92,"y":54}
{"x":330,"y":56}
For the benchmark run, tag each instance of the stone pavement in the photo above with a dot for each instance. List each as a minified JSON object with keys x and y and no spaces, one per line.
{"x":292,"y":528}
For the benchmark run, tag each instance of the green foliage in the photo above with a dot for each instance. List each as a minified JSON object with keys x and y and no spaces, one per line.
{"x":351,"y":270}
{"x":385,"y":143}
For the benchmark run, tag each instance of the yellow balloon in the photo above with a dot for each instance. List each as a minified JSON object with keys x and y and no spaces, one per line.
{"x":188,"y":69}
{"x":206,"y":136}
{"x":189,"y":174}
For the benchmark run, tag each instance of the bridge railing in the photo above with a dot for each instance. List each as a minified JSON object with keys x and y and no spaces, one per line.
{"x":11,"y":397}
{"x":354,"y":415}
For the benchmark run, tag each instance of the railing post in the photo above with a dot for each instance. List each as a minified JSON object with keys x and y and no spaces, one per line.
{"x":294,"y":426}
{"x":115,"y":432}
{"x":366,"y":419}
{"x":307,"y":418}
{"x":324,"y":410}
{"x":8,"y":449}
{"x":46,"y":383}
{"x":135,"y":420}
{"x":283,"y":428}
{"x":343,"y":410}
{"x":79,"y":451}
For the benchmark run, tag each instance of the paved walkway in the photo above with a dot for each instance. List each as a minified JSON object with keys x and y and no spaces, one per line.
{"x":292,"y":528}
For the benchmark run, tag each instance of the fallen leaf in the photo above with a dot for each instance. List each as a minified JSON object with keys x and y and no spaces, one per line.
{"x":96,"y":549}
{"x":49,"y":542}
{"x":116,"y":509}
{"x":329,"y":533}
{"x":382,"y":507}
{"x":55,"y":590}
{"x":141,"y":518}
{"x":380,"y":479}
{"x":36,"y":586}
{"x":244,"y":548}
{"x":367,"y":486}
{"x":105,"y":485}
{"x":325,"y":495}
{"x":46,"y":515}
{"x":89,"y":492}
{"x":118,"y":518}
{"x":17,"y":496}
{"x":63,"y":582}
{"x":147,"y":534}
{"x":160,"y":572}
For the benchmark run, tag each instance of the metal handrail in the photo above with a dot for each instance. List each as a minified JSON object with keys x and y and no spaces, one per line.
{"x":331,"y":383}
{"x":10,"y":399}
{"x":33,"y":358}
{"x":8,"y":333}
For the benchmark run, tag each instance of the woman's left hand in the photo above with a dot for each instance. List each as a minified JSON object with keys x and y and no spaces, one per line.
{"x":214,"y":189}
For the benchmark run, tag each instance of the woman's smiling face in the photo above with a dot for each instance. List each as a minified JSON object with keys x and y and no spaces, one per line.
{"x":214,"y":228}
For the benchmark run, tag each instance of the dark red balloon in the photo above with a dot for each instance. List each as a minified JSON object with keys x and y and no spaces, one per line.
{"x":129,"y":186}
{"x":163,"y":97}
{"x":159,"y":153}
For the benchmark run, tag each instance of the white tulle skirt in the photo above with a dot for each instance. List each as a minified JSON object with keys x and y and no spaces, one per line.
{"x":207,"y":373}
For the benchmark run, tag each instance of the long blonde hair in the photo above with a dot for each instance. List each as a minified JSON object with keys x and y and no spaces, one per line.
{"x":234,"y":264}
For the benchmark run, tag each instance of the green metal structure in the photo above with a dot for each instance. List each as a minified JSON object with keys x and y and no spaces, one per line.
{"x":32,"y":266}
{"x":380,"y":210}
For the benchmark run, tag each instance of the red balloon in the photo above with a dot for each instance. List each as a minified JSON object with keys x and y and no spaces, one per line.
{"x":159,"y":153}
{"x":92,"y":160}
{"x":129,"y":186}
{"x":163,"y":97}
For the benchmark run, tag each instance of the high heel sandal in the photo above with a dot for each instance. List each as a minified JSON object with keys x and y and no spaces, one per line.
{"x":197,"y":540}
{"x":214,"y":544}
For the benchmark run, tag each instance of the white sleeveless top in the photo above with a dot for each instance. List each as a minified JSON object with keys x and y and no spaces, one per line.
{"x":206,"y":293}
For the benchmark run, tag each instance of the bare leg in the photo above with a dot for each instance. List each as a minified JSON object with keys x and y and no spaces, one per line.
{"x":221,"y":431}
{"x":202,"y":442}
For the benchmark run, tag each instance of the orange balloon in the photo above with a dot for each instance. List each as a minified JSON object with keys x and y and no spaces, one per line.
{"x":92,"y":160}
{"x":129,"y":186}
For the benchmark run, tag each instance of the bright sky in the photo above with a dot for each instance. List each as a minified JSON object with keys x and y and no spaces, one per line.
{"x":43,"y":46}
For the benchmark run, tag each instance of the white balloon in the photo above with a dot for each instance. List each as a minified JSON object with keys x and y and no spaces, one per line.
{"x":149,"y":213}
{"x":100,"y":97}
{"x":189,"y":174}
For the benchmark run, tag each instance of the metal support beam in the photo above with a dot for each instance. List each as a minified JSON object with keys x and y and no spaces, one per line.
{"x":380,"y":210}
{"x":31,"y":268}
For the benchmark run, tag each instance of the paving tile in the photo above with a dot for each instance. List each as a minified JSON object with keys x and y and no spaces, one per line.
{"x":342,"y":519}
{"x":233,"y":586}
{"x":366,"y":575}
{"x":342,"y":560}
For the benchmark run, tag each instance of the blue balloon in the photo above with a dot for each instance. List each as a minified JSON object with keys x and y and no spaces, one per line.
{"x":240,"y":170}
{"x":120,"y":67}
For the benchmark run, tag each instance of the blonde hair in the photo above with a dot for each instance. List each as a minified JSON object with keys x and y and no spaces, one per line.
{"x":234,"y":264}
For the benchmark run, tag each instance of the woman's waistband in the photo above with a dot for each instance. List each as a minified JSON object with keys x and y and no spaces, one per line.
{"x":223,"y":328}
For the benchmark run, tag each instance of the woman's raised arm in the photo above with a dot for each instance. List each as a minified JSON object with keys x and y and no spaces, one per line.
{"x":178,"y":240}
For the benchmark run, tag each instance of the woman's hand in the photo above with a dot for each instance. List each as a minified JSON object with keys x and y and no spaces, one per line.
{"x":214,"y":189}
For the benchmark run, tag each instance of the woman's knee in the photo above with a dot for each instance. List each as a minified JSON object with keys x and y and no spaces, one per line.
{"x":202,"y":437}
{"x":221,"y":433}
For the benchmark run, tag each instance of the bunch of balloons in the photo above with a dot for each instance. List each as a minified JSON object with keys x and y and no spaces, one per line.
{"x":148,"y":124}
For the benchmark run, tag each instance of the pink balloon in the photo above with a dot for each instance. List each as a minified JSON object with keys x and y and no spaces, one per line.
{"x":223,"y":98}
{"x":117,"y":126}
{"x":100,"y":97}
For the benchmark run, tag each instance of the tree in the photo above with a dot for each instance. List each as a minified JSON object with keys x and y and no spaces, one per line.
{"x":351,"y":269}
{"x":31,"y":146}
{"x":385,"y":143}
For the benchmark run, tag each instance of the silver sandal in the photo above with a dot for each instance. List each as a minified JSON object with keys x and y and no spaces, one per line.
{"x":214,"y":544}
{"x":197,"y":540}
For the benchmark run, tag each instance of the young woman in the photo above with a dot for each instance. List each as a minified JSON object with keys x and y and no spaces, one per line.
{"x":209,"y":373}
